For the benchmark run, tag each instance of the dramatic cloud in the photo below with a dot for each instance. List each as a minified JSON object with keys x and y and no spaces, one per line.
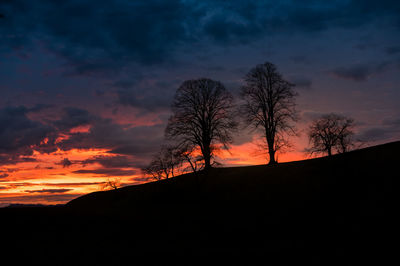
{"x":20,"y":136}
{"x":357,"y":73}
{"x":360,"y":72}
{"x":32,"y":198}
{"x":65,"y":162}
{"x":73,"y":117}
{"x":52,"y":191}
{"x":86,"y":85}
{"x":150,"y":32}
{"x":392,"y":50}
{"x":373,"y":134}
{"x":112,"y":161}
{"x":10,"y":158}
{"x":148,"y":97}
{"x":2,"y":174}
{"x":301,"y":82}
{"x":76,"y":184}
{"x":389,"y":130}
{"x":105,"y":134}
{"x":392,"y":122}
{"x":146,"y":32}
{"x":108,"y":172}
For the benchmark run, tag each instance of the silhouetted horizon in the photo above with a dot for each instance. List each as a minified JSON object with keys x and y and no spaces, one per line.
{"x":87,"y":87}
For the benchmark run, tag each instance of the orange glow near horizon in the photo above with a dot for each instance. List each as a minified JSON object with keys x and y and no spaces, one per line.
{"x":250,"y":154}
{"x":48,"y":181}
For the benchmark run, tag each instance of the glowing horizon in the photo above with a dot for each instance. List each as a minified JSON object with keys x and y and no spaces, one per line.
{"x":48,"y":181}
{"x":86,"y":95}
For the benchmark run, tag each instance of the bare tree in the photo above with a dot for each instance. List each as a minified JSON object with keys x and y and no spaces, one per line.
{"x":111,"y":183}
{"x":202,"y":117}
{"x":186,"y":154}
{"x":269,"y":104}
{"x":153,"y":170}
{"x":164,"y":163}
{"x":331,"y":132}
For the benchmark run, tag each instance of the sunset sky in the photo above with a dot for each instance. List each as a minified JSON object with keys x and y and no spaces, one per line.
{"x":86,"y":86}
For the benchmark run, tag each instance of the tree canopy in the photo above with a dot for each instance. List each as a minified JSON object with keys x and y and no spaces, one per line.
{"x":331,"y":132}
{"x":203,"y":117}
{"x":269,"y":104}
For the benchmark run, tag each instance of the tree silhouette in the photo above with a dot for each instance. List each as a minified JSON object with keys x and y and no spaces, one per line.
{"x":329,"y":132}
{"x":163,"y":164}
{"x":269,"y":104}
{"x":186,"y":154}
{"x":111,"y":183}
{"x":202,"y":117}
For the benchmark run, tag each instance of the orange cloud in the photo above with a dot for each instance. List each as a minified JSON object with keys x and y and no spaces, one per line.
{"x":46,"y":181}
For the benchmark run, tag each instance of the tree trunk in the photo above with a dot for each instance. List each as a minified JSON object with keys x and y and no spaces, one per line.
{"x":271,"y":156}
{"x":207,"y":162}
{"x":329,"y":151}
{"x":207,"y":158}
{"x":271,"y":151}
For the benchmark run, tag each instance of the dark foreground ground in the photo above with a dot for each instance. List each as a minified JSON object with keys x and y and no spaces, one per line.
{"x":327,"y":211}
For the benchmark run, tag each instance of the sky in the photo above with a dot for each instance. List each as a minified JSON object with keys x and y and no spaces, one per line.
{"x":86,"y":86}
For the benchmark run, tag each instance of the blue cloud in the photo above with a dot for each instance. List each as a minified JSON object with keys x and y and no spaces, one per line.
{"x":97,"y":37}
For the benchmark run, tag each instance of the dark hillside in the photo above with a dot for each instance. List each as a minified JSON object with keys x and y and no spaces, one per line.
{"x":337,"y":210}
{"x":360,"y":178}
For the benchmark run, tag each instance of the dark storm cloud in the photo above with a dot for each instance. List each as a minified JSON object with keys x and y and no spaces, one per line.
{"x":388,"y":130}
{"x":15,"y":158}
{"x":392,"y":50}
{"x":39,"y":107}
{"x":152,"y":98}
{"x":72,"y":184}
{"x":43,"y":167}
{"x":360,"y":72}
{"x":107,"y":172}
{"x":19,"y":136}
{"x":225,"y":30}
{"x":300,"y":59}
{"x":51,"y":191}
{"x":73,"y":117}
{"x":241,"y":21}
{"x":308,"y":116}
{"x":374,"y":134}
{"x":97,"y":37}
{"x":356,"y":73}
{"x":39,"y":197}
{"x":301,"y":82}
{"x":65,"y":162}
{"x":105,"y":134}
{"x":118,"y":161}
{"x":392,"y":122}
{"x":3,"y":175}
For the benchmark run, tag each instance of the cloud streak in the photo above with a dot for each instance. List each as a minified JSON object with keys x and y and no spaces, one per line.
{"x":360,"y":72}
{"x":51,"y":191}
{"x":151,"y":32}
{"x":20,"y":137}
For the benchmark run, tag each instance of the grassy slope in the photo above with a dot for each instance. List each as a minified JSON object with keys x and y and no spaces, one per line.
{"x":359,"y":177}
{"x":321,"y":211}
